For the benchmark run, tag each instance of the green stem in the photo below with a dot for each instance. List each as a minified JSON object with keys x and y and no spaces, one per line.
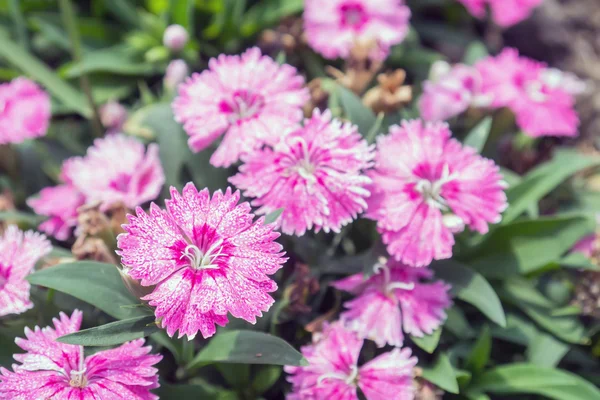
{"x":70,"y":21}
{"x":15,"y":12}
{"x":187,"y":350}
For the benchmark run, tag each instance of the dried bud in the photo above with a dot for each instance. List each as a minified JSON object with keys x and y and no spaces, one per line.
{"x":390,"y":94}
{"x":287,"y":37}
{"x":175,"y":37}
{"x":360,"y":68}
{"x":426,"y":390}
{"x":113,"y":115}
{"x":7,"y":203}
{"x":135,"y":288}
{"x":90,"y":248}
{"x":301,"y":290}
{"x":91,"y":221}
{"x":177,"y":71}
{"x":318,"y":97}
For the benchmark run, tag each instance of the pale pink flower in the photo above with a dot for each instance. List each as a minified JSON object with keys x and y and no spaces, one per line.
{"x":176,"y":72}
{"x":541,"y":98}
{"x":117,"y":169}
{"x":334,"y":27}
{"x":206,"y":257}
{"x":392,"y":301}
{"x":60,"y":204}
{"x":450,"y":91}
{"x":175,"y":37}
{"x":505,"y":13}
{"x":315,"y":174}
{"x":113,"y":115}
{"x":333,"y":372}
{"x":53,"y":370}
{"x":250,"y":98}
{"x":427,"y":186}
{"x":24,"y":111}
{"x":19,"y":251}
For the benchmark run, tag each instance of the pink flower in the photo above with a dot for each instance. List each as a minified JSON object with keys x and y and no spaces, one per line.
{"x":18,"y":254}
{"x":206,"y":258}
{"x":177,"y":71}
{"x":333,"y":372}
{"x":394,"y":300}
{"x":24,"y":111}
{"x":541,"y":98}
{"x":505,"y":13}
{"x":53,"y":370}
{"x":315,"y":174}
{"x":451,"y":91}
{"x":117,"y":169}
{"x":250,"y":99}
{"x":175,"y":37}
{"x":113,"y":115}
{"x":334,"y":27}
{"x":60,"y":204}
{"x":427,"y":186}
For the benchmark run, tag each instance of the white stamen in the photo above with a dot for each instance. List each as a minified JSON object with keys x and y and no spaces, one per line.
{"x":199,"y":260}
{"x":77,"y":378}
{"x":431,"y":191}
{"x":388,"y":285}
{"x":348,"y":379}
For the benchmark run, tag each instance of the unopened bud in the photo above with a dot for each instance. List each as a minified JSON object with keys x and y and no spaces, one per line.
{"x":177,"y":71}
{"x":113,"y":115}
{"x":135,"y":288}
{"x":175,"y":37}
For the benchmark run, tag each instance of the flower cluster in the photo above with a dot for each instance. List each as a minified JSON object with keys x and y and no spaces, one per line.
{"x":505,"y":13}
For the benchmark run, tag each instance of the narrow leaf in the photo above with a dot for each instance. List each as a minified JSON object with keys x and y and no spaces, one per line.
{"x":479,"y":135}
{"x":428,"y":342}
{"x":480,"y":354}
{"x":442,"y":374}
{"x":356,"y":111}
{"x":114,"y":333}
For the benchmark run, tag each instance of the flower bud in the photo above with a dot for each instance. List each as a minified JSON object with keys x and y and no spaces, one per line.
{"x":175,"y":37}
{"x":113,"y":115}
{"x":133,"y":286}
{"x":177,"y":71}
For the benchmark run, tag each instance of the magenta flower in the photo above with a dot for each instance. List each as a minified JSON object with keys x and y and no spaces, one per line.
{"x":250,"y":99}
{"x":117,"y":169}
{"x":450,"y":91}
{"x":427,"y":186}
{"x":205,"y":258}
{"x":19,"y":251}
{"x":334,"y":27}
{"x":53,"y":370}
{"x":24,"y":111}
{"x":393,"y":300}
{"x":505,"y":13}
{"x":541,"y":98}
{"x":315,"y":174}
{"x":333,"y":372}
{"x":60,"y":204}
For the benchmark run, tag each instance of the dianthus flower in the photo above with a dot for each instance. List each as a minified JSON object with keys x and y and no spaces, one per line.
{"x":450,"y":91}
{"x":24,"y":111}
{"x":393,"y":300}
{"x":249,"y":98}
{"x":427,"y":186}
{"x":505,"y":13}
{"x":541,"y":98}
{"x":205,"y":257}
{"x":53,"y":370}
{"x":333,"y":372}
{"x":19,"y":251}
{"x":315,"y":174}
{"x":117,"y":169}
{"x":334,"y":27}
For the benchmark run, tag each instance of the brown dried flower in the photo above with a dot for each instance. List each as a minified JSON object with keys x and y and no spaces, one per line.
{"x":390,"y":94}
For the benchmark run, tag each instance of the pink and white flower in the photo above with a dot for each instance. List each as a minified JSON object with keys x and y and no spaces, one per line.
{"x":334,"y":27}
{"x":427,"y":186}
{"x":24,"y":111}
{"x":53,"y":370}
{"x":113,"y":115}
{"x":175,"y":37}
{"x":250,"y":99}
{"x":206,"y":258}
{"x":117,"y":169}
{"x":315,"y":174}
{"x":19,"y":251}
{"x":333,"y":371}
{"x":450,"y":91}
{"x":505,"y":13}
{"x":392,"y":301}
{"x":541,"y":98}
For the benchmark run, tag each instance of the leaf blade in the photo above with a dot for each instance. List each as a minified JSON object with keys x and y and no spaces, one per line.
{"x":113,"y":333}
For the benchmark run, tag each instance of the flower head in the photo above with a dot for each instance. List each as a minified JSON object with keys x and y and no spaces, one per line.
{"x":60,"y":204}
{"x":113,"y":115}
{"x":175,"y":37}
{"x":24,"y":111}
{"x":393,"y":300}
{"x":250,"y":99}
{"x":315,"y":174}
{"x":53,"y":370}
{"x":505,"y":13}
{"x":177,"y":71}
{"x":333,"y":371}
{"x":541,"y":98}
{"x":19,"y":251}
{"x":334,"y":27}
{"x":427,"y":186}
{"x":206,"y":258}
{"x":117,"y":169}
{"x":450,"y":91}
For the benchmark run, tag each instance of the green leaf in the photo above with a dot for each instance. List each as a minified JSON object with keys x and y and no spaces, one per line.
{"x":114,"y":333}
{"x":31,"y":66}
{"x":124,"y":11}
{"x":356,"y":111}
{"x":428,"y":342}
{"x":475,"y":52}
{"x":577,"y":260}
{"x":479,"y":134}
{"x":272,"y":217}
{"x":268,"y":12}
{"x":182,"y":13}
{"x":204,"y":391}
{"x":442,"y":374}
{"x":545,"y":350}
{"x":523,"y":378}
{"x":20,"y":217}
{"x":375,"y":129}
{"x":480,"y":354}
{"x":543,"y":179}
{"x":236,"y":375}
{"x":247,"y":347}
{"x":265,"y":378}
{"x":98,"y":284}
{"x":471,"y":287}
{"x":114,"y":60}
{"x":457,"y":323}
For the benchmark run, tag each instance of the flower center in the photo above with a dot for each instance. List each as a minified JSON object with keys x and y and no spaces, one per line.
{"x":535,"y":91}
{"x":353,"y":15}
{"x":203,"y":260}
{"x":77,"y":377}
{"x":431,"y":189}
{"x":349,"y":379}
{"x":302,"y":163}
{"x":242,"y":106}
{"x":388,"y":285}
{"x":121,"y":183}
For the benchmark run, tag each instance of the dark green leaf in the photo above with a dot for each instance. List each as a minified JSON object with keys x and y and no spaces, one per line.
{"x":236,"y":375}
{"x":268,"y":12}
{"x":272,"y":217}
{"x":182,"y":13}
{"x":545,"y":350}
{"x":204,"y":174}
{"x":114,"y":333}
{"x":356,"y":111}
{"x":480,"y":354}
{"x":95,"y":283}
{"x":457,"y":323}
{"x":428,"y":342}
{"x":479,"y":135}
{"x":442,"y":374}
{"x":577,"y":260}
{"x":204,"y":391}
{"x":265,"y":378}
{"x":116,"y":60}
{"x":124,"y":11}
